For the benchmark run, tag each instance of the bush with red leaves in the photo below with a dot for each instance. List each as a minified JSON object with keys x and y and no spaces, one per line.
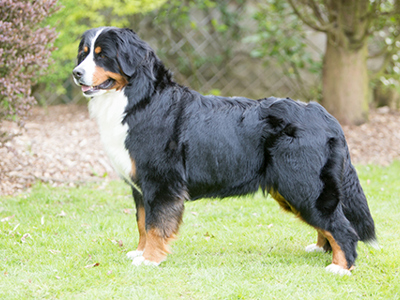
{"x":25,"y":48}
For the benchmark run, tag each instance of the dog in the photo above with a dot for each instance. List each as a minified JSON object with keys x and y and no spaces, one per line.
{"x":173,"y":144}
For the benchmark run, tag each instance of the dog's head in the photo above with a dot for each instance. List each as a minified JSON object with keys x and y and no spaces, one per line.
{"x":108,"y":58}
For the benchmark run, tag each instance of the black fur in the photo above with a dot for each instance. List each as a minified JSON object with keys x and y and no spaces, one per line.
{"x":209,"y":146}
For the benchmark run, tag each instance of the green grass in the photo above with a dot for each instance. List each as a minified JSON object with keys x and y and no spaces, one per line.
{"x":239,"y":248}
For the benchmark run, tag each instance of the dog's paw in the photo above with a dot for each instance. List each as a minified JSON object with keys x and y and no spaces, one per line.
{"x":133,"y":254}
{"x":336,"y":269}
{"x":140,"y":260}
{"x":314,"y":248}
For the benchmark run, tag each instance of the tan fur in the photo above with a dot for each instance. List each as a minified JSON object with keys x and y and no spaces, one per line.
{"x":283,"y":203}
{"x":338,"y":256}
{"x":321,"y":241}
{"x":157,"y":246}
{"x":100,"y":75}
{"x":141,"y":222}
{"x":158,"y":239}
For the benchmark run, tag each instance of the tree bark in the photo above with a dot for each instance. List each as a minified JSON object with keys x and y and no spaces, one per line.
{"x":345,"y":82}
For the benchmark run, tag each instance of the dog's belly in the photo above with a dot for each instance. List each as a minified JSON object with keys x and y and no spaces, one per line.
{"x":108,"y":110}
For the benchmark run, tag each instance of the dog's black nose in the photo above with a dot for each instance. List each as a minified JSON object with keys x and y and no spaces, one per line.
{"x":78,"y":73}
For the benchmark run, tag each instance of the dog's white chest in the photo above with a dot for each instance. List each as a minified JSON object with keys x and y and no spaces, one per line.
{"x":108,"y":110}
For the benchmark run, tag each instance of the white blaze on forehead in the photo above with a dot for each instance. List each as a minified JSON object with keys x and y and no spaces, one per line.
{"x":88,"y":64}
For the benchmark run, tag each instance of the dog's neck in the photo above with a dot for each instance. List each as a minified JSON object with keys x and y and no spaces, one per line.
{"x":144,"y":84}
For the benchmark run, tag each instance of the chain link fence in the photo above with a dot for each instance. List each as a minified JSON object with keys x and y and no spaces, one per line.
{"x":206,"y":59}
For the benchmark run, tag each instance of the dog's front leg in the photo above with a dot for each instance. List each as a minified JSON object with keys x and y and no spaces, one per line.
{"x":163,"y":214}
{"x":141,"y":223}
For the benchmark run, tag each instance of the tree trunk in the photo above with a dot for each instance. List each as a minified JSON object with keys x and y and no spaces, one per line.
{"x":345,"y":83}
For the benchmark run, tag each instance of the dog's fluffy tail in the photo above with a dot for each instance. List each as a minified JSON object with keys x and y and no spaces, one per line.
{"x":355,"y":207}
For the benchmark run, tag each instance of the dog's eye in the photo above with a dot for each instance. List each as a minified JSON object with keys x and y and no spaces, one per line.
{"x":101,"y":56}
{"x":84,"y":50}
{"x":81,"y":55}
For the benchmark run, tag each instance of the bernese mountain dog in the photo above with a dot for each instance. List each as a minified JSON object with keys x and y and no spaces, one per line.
{"x":173,"y":144}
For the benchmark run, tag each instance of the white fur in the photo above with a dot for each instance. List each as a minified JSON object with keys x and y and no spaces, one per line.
{"x":140,"y":260}
{"x":133,"y":254}
{"x":336,"y":269}
{"x":314,"y":248}
{"x":374,"y":244}
{"x":108,"y":110}
{"x":89,"y":65}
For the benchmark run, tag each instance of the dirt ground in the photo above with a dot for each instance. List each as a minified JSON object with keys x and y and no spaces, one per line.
{"x":61,"y":146}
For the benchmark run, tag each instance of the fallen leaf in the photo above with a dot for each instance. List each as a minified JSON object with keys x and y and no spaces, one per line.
{"x":7,"y":218}
{"x":208,"y":236}
{"x":15,"y":228}
{"x":127,"y":211}
{"x":24,"y":237}
{"x":92,"y":266}
{"x":61,"y":214}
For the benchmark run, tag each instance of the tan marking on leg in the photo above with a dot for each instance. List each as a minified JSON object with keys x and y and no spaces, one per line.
{"x":141,"y":222}
{"x":158,"y":239}
{"x":321,"y":240}
{"x":157,"y":246}
{"x":338,"y":256}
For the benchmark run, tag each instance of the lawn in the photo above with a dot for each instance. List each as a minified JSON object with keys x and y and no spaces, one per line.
{"x":70,"y":243}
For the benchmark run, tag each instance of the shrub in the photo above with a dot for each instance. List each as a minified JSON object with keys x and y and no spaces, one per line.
{"x":25,"y":48}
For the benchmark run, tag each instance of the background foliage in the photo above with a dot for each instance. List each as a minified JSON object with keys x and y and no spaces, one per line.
{"x":270,"y":30}
{"x":25,"y":47}
{"x":253,"y":48}
{"x":75,"y":17}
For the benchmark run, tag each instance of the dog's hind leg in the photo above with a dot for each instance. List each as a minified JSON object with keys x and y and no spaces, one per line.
{"x":331,"y":220}
{"x":141,"y":223}
{"x":342,"y":261}
{"x":342,"y":238}
{"x":322,"y":244}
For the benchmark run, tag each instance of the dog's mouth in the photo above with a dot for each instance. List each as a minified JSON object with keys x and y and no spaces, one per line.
{"x":106,"y":85}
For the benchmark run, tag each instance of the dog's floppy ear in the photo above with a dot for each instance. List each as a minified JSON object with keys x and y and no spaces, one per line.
{"x":132,"y":51}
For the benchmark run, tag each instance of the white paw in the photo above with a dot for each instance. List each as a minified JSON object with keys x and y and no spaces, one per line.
{"x":314,"y":248}
{"x":336,"y":269}
{"x":139,"y":260}
{"x":133,"y":254}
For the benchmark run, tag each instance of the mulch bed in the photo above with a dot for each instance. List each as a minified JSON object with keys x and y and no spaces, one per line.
{"x":61,"y":146}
